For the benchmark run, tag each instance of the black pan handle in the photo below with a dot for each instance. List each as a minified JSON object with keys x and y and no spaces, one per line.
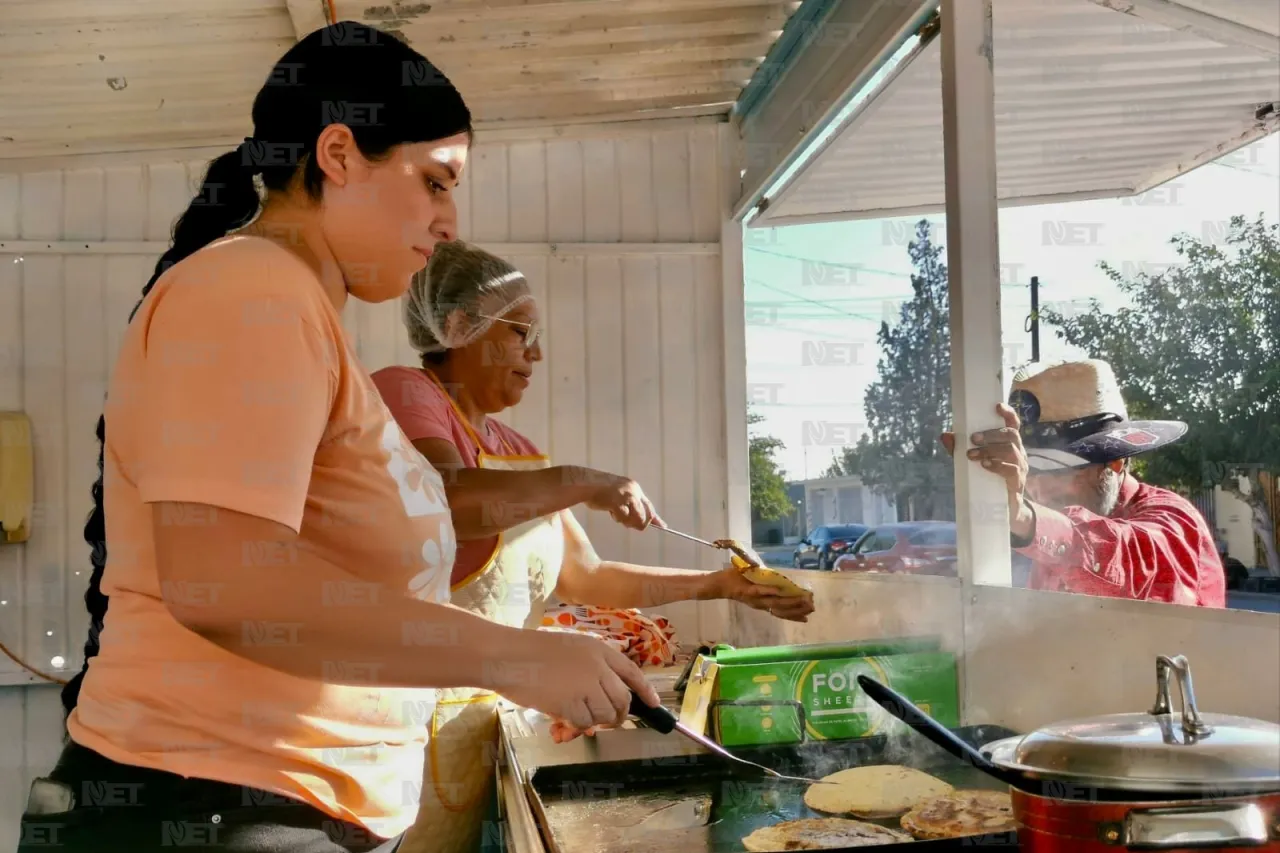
{"x":906,"y":711}
{"x":660,"y":718}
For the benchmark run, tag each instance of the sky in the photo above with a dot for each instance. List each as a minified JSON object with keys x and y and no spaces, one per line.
{"x":818,"y":293}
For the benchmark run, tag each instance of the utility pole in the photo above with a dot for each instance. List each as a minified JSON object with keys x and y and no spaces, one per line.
{"x":1035,"y":318}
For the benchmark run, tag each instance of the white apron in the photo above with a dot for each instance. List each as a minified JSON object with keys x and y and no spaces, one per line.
{"x":462,"y":748}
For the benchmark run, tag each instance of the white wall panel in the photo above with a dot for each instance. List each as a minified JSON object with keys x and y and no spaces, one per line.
{"x":631,"y":379}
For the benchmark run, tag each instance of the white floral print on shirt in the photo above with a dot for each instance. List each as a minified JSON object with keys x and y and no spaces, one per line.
{"x":422,"y":493}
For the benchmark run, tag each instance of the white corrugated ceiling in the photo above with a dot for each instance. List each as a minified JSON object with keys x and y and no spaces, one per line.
{"x":557,"y":59}
{"x":1089,"y":101}
{"x":91,"y":76}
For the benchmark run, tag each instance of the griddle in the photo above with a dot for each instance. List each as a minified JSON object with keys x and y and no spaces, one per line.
{"x":698,"y":803}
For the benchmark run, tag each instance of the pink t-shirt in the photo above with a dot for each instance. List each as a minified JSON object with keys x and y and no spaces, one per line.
{"x":423,"y":410}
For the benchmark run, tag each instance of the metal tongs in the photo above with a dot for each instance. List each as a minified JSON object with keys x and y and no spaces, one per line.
{"x":665,"y":721}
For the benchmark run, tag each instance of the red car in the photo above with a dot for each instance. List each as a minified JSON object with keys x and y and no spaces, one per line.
{"x":909,"y":547}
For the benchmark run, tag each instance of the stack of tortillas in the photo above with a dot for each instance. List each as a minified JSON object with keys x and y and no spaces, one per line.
{"x":880,"y":791}
{"x":822,"y":833}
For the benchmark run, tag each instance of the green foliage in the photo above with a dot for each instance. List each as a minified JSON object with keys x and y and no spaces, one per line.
{"x":769,"y":499}
{"x":1201,"y":344}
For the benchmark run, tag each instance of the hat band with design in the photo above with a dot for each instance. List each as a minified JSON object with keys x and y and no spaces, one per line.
{"x":1059,"y":434}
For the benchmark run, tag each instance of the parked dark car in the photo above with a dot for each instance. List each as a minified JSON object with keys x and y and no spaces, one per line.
{"x":910,"y":547}
{"x":818,"y":549}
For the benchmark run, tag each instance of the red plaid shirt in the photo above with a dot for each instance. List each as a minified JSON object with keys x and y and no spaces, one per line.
{"x":1155,"y":546}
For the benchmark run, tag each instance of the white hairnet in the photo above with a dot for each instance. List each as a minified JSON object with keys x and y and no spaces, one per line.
{"x":447,"y":303}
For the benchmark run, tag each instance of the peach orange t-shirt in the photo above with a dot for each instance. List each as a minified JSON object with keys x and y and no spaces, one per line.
{"x":235,"y":387}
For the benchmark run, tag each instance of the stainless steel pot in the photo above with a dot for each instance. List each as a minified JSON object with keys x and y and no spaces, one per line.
{"x":1206,"y":780}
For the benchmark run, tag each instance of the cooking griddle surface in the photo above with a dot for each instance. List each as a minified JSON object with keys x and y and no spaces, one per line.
{"x":701,"y":805}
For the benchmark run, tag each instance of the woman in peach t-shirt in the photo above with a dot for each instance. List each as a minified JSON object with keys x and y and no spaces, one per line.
{"x":475,"y":321}
{"x":275,"y":552}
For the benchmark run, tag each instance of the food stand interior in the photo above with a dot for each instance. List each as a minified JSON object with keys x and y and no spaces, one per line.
{"x":613,"y":167}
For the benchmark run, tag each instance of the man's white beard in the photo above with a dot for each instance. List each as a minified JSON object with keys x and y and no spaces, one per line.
{"x":1109,"y":491}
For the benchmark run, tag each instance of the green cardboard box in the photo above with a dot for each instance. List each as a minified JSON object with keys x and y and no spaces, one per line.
{"x":790,"y":694}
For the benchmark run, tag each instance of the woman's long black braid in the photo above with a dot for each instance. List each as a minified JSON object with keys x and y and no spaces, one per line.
{"x":345,"y":63}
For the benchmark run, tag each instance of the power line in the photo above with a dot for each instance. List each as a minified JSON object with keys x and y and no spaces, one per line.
{"x":843,"y":264}
{"x":820,"y":304}
{"x":1246,"y":169}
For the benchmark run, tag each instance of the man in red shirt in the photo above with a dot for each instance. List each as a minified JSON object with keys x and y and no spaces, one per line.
{"x":1075,"y":508}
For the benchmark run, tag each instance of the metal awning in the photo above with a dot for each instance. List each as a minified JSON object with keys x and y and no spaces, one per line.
{"x":80,"y":77}
{"x":1091,"y":101}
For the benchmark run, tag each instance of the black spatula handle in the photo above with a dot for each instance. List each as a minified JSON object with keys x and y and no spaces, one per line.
{"x":659,"y":718}
{"x":906,"y":711}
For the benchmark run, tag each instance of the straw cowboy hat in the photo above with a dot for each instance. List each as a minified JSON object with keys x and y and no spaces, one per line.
{"x":1073,"y":415}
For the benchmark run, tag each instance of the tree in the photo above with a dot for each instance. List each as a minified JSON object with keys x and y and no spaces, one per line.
{"x":769,"y":500}
{"x":1200,"y":343}
{"x":909,"y":406}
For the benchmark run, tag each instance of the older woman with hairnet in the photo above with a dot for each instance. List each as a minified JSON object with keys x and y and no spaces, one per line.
{"x":474,"y":320}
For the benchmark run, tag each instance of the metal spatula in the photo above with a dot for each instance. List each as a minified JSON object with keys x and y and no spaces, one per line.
{"x":735,"y":548}
{"x":664,"y":721}
{"x":687,"y":536}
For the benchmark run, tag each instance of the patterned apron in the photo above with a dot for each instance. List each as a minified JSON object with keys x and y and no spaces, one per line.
{"x":462,"y":748}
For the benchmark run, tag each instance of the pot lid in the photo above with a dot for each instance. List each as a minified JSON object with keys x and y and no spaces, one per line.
{"x":1157,"y":751}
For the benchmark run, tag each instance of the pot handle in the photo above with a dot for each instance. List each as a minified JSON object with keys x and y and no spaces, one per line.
{"x":1192,"y":725}
{"x":1169,"y":828}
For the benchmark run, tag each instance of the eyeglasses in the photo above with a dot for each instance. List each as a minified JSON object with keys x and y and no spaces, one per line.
{"x":532,"y":331}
